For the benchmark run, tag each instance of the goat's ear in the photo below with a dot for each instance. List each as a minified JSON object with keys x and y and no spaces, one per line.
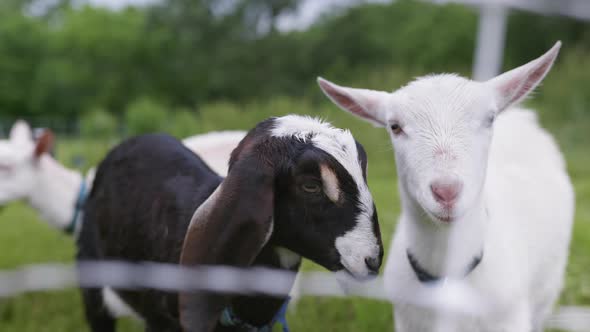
{"x":360,"y":102}
{"x":20,"y":133}
{"x":229,"y":228}
{"x":44,"y":143}
{"x":514,"y":85}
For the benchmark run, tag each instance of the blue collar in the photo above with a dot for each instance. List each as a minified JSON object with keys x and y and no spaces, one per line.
{"x":77,"y":208}
{"x":229,"y":319}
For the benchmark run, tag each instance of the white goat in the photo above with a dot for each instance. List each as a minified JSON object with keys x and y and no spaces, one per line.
{"x":215,"y":147}
{"x":484,"y":202}
{"x":28,"y":172}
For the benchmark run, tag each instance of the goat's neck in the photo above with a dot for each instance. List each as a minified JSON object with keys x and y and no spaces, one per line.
{"x":261,"y":309}
{"x":444,"y":250}
{"x":55,"y":192}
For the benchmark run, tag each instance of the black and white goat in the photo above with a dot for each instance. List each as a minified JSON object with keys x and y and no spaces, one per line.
{"x":296,"y":187}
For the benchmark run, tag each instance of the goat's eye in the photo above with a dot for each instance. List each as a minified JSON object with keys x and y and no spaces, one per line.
{"x":396,"y":128}
{"x":311,"y":187}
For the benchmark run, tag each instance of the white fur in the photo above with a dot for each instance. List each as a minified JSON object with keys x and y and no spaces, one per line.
{"x":516,"y":206}
{"x":360,"y":242}
{"x":48,"y":186}
{"x":116,"y":306}
{"x":215,"y":147}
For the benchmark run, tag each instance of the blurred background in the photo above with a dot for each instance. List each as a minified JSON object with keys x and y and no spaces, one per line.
{"x":101,"y":70}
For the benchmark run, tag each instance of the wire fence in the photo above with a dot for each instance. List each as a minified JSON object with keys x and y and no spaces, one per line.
{"x":451,"y":296}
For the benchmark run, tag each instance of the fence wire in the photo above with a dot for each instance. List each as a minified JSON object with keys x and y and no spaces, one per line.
{"x":451,"y":296}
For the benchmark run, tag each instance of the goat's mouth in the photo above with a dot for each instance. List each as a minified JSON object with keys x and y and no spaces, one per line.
{"x":359,"y":276}
{"x":445,"y":217}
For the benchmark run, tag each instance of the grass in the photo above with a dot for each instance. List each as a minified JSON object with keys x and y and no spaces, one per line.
{"x":26,"y":239}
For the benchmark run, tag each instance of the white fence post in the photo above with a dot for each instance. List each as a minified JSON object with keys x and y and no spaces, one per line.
{"x":489,"y":50}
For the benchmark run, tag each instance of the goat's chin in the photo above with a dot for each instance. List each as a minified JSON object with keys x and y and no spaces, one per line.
{"x":356,"y":276}
{"x":442,"y":216}
{"x":347,"y":279}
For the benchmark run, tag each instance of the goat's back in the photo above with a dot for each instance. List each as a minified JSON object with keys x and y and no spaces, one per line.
{"x":144,"y":195}
{"x":531,"y":202}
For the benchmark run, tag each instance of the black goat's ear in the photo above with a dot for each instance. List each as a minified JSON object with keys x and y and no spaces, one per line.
{"x":229,"y":228}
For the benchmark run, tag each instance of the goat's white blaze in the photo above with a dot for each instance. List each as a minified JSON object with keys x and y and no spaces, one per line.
{"x":330,"y":182}
{"x":360,"y":242}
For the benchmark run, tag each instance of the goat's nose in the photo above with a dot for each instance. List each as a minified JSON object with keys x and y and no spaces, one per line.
{"x":373,"y":263}
{"x":446,"y":191}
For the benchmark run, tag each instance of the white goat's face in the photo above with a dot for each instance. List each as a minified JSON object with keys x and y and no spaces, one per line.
{"x":17,"y":169}
{"x":441,"y":129}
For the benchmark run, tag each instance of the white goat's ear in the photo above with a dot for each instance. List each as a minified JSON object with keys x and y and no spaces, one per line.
{"x":44,"y":143}
{"x":21,"y":133}
{"x":514,"y":85}
{"x":360,"y":102}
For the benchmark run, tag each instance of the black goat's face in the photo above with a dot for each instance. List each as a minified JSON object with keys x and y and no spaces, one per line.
{"x":323,"y":209}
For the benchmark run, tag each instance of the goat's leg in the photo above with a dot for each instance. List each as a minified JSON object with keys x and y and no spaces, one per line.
{"x":161,"y":324}
{"x":519,"y":319}
{"x":97,"y":314}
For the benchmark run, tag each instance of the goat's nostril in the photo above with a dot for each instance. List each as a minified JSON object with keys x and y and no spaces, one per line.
{"x":373,"y":263}
{"x":446,"y":192}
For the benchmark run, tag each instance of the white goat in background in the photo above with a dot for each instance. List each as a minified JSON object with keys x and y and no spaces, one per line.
{"x":28,"y":172}
{"x":215,"y":147}
{"x":485,"y":196}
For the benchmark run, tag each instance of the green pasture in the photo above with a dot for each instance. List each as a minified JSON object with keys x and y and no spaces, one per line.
{"x":26,"y":239}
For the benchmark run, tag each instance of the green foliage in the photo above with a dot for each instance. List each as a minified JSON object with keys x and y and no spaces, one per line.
{"x":145,"y":116}
{"x":98,"y":123}
{"x":233,"y":116}
{"x":564,"y":99}
{"x":92,"y":58}
{"x":182,"y":53}
{"x":183,"y":123}
{"x":529,"y":35}
{"x":22,"y":45}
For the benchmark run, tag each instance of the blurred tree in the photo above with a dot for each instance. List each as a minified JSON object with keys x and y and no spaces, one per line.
{"x":262,"y":15}
{"x":22,"y":48}
{"x":98,"y":123}
{"x":64,"y":61}
{"x":94,"y":59}
{"x":145,"y":115}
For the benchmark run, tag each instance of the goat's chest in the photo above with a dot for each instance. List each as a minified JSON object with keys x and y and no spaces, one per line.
{"x":413,"y":319}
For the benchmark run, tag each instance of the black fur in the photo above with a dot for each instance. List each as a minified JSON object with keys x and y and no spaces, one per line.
{"x":142,"y":199}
